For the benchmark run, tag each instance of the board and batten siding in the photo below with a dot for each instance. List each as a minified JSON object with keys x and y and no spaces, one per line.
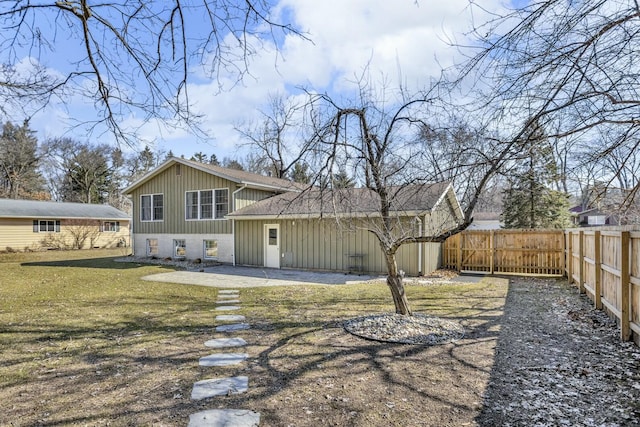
{"x":316,"y":244}
{"x":174,"y":183}
{"x":248,"y":196}
{"x":18,"y":234}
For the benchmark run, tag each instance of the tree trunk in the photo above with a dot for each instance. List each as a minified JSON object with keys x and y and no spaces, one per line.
{"x":394,"y":281}
{"x":399,"y":297}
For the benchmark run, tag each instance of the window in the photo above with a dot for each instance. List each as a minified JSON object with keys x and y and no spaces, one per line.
{"x":180,"y":248}
{"x":152,"y":247}
{"x":152,"y":207}
{"x":596,"y":219}
{"x":200,"y":204}
{"x":206,"y":204}
{"x":210,"y":249}
{"x":111,"y":226}
{"x":191,"y":207}
{"x":222,"y":203}
{"x":46,"y":226}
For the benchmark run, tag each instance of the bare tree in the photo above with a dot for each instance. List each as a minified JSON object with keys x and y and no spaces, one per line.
{"x":275,"y":138}
{"x":379,"y":143}
{"x":127,"y":56}
{"x":569,"y":66}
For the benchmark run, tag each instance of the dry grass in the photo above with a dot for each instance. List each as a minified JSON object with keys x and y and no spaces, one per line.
{"x":84,"y":341}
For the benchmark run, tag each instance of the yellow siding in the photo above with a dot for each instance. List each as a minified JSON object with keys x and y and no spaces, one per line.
{"x":18,"y":234}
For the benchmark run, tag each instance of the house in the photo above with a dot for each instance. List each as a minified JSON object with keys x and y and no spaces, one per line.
{"x":485,"y":221}
{"x":187,"y":209}
{"x":32,"y":225}
{"x":590,"y":217}
{"x":180,"y":208}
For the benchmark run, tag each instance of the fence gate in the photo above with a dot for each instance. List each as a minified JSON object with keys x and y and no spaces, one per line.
{"x":523,"y":252}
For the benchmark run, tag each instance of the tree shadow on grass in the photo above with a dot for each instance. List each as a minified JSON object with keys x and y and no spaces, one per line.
{"x":105,"y":262}
{"x":301,"y":371}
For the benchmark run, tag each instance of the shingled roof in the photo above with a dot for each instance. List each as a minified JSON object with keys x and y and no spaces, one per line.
{"x":413,"y":199}
{"x":10,"y":208}
{"x":249,"y":179}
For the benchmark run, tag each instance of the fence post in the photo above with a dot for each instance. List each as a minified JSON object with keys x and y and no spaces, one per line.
{"x":569,"y":255}
{"x":581,"y":259}
{"x":459,"y":252}
{"x":625,"y":330}
{"x":597,"y":287}
{"x":492,"y":251}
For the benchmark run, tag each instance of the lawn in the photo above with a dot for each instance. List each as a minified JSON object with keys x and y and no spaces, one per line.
{"x":85,"y":341}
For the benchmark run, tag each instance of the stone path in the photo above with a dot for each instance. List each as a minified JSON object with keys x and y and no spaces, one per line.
{"x":224,"y":417}
{"x":224,"y":386}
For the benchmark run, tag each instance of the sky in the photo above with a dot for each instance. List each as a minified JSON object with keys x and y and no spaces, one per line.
{"x":406,"y":41}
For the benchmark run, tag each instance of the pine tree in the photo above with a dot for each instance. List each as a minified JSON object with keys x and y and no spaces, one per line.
{"x":19,"y":161}
{"x":300,"y":173}
{"x":529,"y":202}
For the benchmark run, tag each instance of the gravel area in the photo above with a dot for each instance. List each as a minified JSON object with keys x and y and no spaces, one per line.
{"x":396,"y":328}
{"x":559,"y":362}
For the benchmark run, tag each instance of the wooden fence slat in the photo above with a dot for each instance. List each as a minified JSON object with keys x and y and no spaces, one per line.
{"x":625,"y":331}
{"x":597,"y":286}
{"x":581,"y":261}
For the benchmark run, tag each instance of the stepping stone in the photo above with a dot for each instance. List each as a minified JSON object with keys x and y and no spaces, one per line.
{"x":225,"y":342}
{"x":230,"y":318}
{"x":223,"y":359}
{"x":225,"y":418}
{"x":232,"y":327}
{"x":228,"y":307}
{"x":228,"y":291}
{"x":228,"y":301}
{"x":219,"y":387}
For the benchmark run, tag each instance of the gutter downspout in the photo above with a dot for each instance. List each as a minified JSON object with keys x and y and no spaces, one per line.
{"x":233,"y":224}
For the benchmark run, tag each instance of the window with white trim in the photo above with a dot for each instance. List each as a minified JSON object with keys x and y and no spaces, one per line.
{"x":210,"y":249}
{"x":207,"y":204}
{"x":111,"y":226}
{"x":180,"y":248}
{"x":152,"y":207}
{"x":222,"y":203}
{"x":46,"y":225}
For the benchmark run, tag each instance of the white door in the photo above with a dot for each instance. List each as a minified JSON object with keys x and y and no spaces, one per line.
{"x":272,"y":245}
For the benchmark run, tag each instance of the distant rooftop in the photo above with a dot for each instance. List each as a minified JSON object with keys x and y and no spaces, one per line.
{"x":10,"y":208}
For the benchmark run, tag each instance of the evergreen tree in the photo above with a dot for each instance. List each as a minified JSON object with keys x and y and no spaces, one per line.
{"x":232,"y":164}
{"x":300,"y":173}
{"x":199,"y":157}
{"x":87,"y":177}
{"x":342,"y":180}
{"x":529,"y":202}
{"x":213,"y":159}
{"x":19,"y":161}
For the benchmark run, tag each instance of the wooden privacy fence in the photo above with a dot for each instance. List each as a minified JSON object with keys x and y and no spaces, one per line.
{"x":606,"y":265}
{"x":528,"y":252}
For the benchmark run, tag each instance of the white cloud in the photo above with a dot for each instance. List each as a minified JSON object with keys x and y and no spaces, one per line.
{"x":398,"y":39}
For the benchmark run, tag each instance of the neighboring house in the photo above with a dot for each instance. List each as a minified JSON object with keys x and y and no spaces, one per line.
{"x":590,"y":217}
{"x":187,"y":209}
{"x":485,"y":221}
{"x":32,"y":225}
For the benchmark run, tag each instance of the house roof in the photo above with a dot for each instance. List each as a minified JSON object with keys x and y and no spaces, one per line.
{"x":10,"y":208}
{"x":415,"y":199}
{"x":251,"y":180}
